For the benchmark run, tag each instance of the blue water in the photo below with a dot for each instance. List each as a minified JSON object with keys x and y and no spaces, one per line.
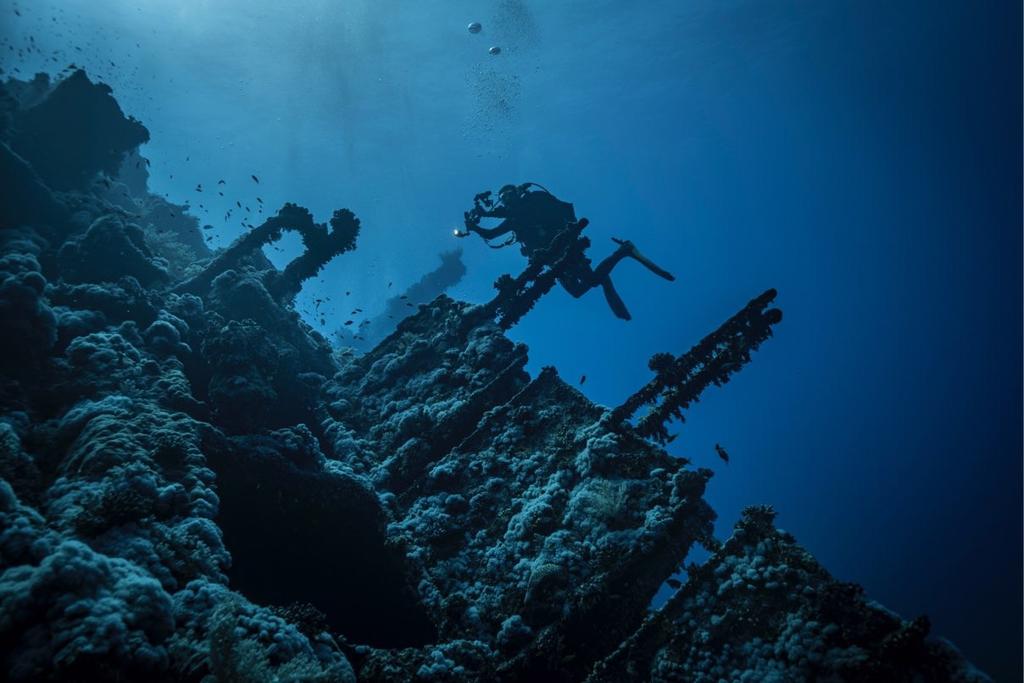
{"x":862,"y":158}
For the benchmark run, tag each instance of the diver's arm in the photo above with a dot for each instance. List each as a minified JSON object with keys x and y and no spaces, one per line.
{"x":473,"y":223}
{"x":490,"y":233}
{"x":480,"y":212}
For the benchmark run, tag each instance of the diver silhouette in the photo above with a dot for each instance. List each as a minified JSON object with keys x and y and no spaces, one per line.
{"x":533,"y":217}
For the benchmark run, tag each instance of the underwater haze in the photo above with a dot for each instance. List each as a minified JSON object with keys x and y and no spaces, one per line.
{"x":863,"y":159}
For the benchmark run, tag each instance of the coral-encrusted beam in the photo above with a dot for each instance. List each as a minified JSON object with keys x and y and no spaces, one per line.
{"x":516,"y":297}
{"x":321,"y":246}
{"x":679,"y":381}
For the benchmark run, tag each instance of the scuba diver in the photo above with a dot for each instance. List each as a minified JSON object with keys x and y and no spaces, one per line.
{"x":534,"y":217}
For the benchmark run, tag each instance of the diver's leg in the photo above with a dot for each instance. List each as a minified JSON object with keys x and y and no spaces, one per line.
{"x":604,"y":268}
{"x":627,"y":248}
{"x":582,"y":279}
{"x":614,"y":300}
{"x":574,"y":284}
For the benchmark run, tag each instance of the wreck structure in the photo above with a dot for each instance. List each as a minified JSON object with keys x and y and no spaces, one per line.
{"x":197,"y":487}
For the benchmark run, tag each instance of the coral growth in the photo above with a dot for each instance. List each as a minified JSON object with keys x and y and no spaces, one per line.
{"x":322,"y":244}
{"x":762,"y":609}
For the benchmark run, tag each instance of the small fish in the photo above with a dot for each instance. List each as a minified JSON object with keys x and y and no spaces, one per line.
{"x":389,"y":284}
{"x":722,"y":453}
{"x":349,"y":322}
{"x":220,"y":182}
{"x":583,"y":379}
{"x":257,"y":180}
{"x":674,"y":583}
{"x":199,"y":188}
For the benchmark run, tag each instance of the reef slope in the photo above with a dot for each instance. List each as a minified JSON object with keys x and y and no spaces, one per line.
{"x":197,"y":486}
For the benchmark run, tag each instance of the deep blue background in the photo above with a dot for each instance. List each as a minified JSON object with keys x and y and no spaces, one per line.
{"x":864,"y":158}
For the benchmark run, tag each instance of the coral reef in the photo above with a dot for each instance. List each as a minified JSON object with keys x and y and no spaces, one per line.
{"x":196,"y":486}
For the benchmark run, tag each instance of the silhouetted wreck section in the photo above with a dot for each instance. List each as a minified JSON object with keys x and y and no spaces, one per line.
{"x":371,"y":331}
{"x":680,"y":381}
{"x":321,"y":244}
{"x":58,"y":136}
{"x":517,"y":296}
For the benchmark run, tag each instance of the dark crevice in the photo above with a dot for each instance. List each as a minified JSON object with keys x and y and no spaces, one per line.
{"x":307,"y":536}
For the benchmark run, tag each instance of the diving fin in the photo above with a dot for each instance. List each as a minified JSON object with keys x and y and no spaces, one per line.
{"x":614,"y":300}
{"x":646,"y":262}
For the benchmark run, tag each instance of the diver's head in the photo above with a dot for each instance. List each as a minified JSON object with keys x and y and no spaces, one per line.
{"x":508,"y":194}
